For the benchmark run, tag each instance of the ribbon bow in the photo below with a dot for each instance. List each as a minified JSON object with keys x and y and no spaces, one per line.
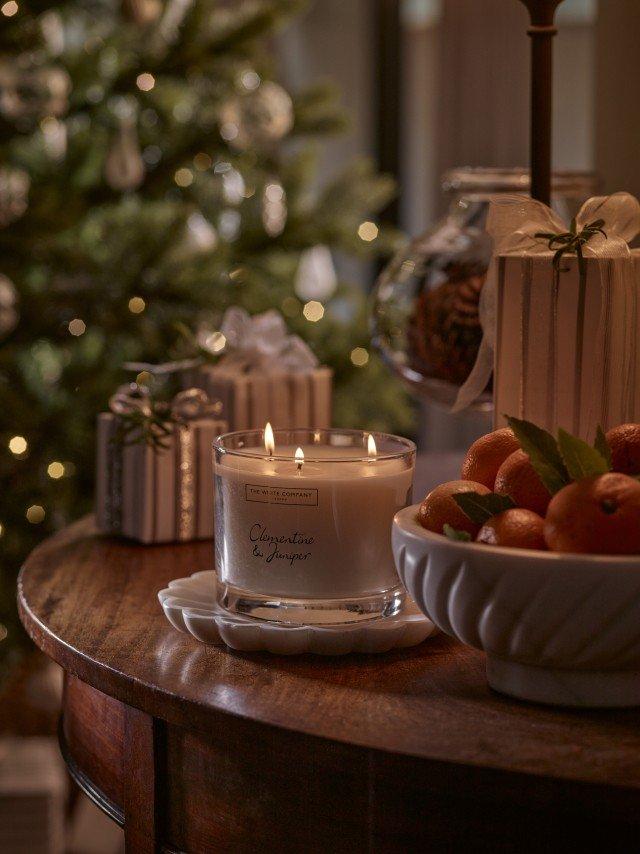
{"x":519,"y":225}
{"x":142,"y":418}
{"x":572,"y":241}
{"x":263,"y":342}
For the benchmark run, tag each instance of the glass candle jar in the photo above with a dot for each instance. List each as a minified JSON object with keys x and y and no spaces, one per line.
{"x":303,"y":523}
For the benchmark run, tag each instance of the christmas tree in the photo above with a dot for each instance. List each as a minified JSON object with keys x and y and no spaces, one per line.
{"x":152,"y":174}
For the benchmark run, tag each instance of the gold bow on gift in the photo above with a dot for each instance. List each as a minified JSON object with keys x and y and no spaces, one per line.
{"x":522,"y":226}
{"x":144,"y":419}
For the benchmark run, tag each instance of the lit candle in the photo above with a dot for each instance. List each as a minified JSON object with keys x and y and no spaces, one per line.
{"x":303,"y":522}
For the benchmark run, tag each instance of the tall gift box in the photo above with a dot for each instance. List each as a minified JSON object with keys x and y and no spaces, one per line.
{"x":566,"y":345}
{"x":157,"y":491}
{"x":265,"y":374}
{"x":560,"y":315}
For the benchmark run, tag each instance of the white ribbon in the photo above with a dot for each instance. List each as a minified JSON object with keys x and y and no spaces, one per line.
{"x":513,"y":222}
{"x":263,"y":342}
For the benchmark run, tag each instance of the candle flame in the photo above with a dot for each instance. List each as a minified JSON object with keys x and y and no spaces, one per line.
{"x":372,"y":451}
{"x":269,"y":441}
{"x":299,"y":458}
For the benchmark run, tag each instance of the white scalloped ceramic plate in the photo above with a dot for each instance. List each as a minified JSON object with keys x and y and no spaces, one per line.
{"x":190,"y":606}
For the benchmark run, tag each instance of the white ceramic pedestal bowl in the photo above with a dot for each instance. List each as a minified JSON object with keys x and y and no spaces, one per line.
{"x":560,"y":629}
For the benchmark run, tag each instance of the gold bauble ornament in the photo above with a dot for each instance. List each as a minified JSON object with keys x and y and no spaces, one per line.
{"x":257,"y":118}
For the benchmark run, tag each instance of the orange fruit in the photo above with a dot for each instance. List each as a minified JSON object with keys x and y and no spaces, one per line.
{"x":597,"y":515}
{"x":517,"y":528}
{"x":518,"y":478}
{"x":487,"y":454}
{"x":439,"y":508}
{"x":624,"y":442}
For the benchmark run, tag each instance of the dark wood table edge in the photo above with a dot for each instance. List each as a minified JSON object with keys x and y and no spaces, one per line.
{"x":84,"y":782}
{"x":169,"y":708}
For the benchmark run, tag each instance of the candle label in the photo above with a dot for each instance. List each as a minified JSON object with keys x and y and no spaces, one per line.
{"x":298,"y":497}
{"x":271,"y":547}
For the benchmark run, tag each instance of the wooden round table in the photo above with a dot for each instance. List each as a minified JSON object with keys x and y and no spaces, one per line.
{"x":195,"y":748}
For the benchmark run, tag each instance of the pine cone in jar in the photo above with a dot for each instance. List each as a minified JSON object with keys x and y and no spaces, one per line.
{"x":445,"y":335}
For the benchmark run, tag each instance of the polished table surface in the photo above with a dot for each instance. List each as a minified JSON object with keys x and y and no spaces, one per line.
{"x":418,"y":731}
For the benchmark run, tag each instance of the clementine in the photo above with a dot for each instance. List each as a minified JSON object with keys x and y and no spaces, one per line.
{"x":518,"y":478}
{"x":487,"y":454}
{"x":517,"y":528}
{"x":596,"y":515}
{"x":439,"y":508}
{"x":624,"y":442}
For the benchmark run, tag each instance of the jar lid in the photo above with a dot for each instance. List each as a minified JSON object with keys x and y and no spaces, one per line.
{"x":483,"y":179}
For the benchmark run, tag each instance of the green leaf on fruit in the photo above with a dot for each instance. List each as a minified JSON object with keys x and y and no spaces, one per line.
{"x":453,"y":534}
{"x":602,"y":446}
{"x":479,"y":508}
{"x":543,"y":452}
{"x":580,"y":458}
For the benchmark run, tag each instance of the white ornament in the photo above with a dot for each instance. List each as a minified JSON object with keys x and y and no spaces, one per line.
{"x":201,"y":235}
{"x":316,"y":276}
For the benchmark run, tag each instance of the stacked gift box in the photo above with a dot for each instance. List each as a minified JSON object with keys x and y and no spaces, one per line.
{"x":157,"y":486}
{"x":265,"y":374}
{"x":32,"y":796}
{"x":154,"y":468}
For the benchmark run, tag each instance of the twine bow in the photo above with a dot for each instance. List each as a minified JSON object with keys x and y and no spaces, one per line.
{"x":572,"y":241}
{"x":519,"y":225}
{"x":144,"y":419}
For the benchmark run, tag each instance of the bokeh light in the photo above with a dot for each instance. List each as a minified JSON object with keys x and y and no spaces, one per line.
{"x":367,"y":231}
{"x":18,"y":445}
{"x":359,"y":356}
{"x":313,"y":311}
{"x":35,"y":514}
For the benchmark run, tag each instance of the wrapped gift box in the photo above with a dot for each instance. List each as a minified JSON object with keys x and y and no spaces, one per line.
{"x":566,"y":352}
{"x":264,"y":374}
{"x":252,"y":397}
{"x":156,"y":494}
{"x":32,"y":796}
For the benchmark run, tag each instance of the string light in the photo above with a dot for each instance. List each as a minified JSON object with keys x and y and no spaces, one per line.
{"x":18,"y":445}
{"x":313,"y":311}
{"x":145,"y":82}
{"x":137,"y":305}
{"x":250,"y":80}
{"x":77,"y":326}
{"x":202,"y":161}
{"x":35,"y":514}
{"x":183,"y":177}
{"x":367,"y":231}
{"x":9,"y":9}
{"x":359,"y":357}
{"x":229,"y":131}
{"x":55,"y":470}
{"x":215,"y":342}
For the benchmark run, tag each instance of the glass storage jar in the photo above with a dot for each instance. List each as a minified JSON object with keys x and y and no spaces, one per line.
{"x":425,"y":309}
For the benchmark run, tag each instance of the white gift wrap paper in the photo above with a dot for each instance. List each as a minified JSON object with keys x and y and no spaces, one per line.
{"x":566,"y":350}
{"x":252,"y":397}
{"x":157,"y":495}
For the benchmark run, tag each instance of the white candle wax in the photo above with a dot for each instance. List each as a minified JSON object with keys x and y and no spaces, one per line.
{"x":317,"y":530}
